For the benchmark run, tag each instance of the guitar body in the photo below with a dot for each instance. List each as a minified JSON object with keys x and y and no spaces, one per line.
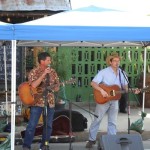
{"x":113,"y":92}
{"x":26,"y":93}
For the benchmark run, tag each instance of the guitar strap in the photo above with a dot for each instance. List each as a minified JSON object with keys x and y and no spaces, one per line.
{"x":120,"y":80}
{"x":123,"y":100}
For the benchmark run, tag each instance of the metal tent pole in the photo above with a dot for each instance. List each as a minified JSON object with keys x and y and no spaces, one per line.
{"x":144,"y":77}
{"x":13,"y":92}
{"x":5,"y":69}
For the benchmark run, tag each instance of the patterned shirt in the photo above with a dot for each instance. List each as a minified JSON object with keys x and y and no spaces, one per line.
{"x":39,"y":94}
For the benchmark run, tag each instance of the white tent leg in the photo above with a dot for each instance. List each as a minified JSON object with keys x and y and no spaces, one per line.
{"x":6,"y":89}
{"x":144,"y":77}
{"x":13,"y":92}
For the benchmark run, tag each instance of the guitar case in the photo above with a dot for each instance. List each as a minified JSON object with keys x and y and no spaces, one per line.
{"x":61,"y":123}
{"x":78,"y":122}
{"x":60,"y":127}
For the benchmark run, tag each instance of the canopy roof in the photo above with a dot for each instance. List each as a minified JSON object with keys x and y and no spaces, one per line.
{"x":6,"y":32}
{"x":93,"y":25}
{"x":33,"y":43}
{"x":88,"y":24}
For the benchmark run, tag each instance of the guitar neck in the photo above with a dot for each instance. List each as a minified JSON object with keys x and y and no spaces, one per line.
{"x":132,"y":90}
{"x":63,"y":83}
{"x":71,"y":81}
{"x":52,"y":86}
{"x":125,"y":91}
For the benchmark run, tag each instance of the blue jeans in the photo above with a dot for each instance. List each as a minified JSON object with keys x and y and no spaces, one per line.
{"x":35,"y":114}
{"x":111,"y":108}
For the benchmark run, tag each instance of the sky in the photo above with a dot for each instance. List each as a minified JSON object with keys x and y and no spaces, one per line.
{"x":138,"y":6}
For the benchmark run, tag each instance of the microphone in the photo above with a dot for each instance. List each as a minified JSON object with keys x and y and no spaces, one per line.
{"x":123,"y":67}
{"x":120,"y":67}
{"x":49,"y":65}
{"x":47,"y":75}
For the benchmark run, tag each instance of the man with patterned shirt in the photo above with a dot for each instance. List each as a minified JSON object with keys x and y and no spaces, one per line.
{"x":39,"y":78}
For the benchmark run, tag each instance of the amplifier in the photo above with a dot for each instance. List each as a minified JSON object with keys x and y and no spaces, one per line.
{"x":121,"y":142}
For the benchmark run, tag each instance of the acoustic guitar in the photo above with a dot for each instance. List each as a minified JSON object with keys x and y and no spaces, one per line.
{"x":114,"y":93}
{"x":26,"y":91}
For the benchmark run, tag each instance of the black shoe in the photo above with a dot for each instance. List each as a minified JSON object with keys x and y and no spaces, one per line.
{"x":90,"y":144}
{"x":45,"y":148}
{"x":123,"y":111}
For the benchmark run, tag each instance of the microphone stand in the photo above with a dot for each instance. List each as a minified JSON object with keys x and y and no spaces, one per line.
{"x":127,"y":98}
{"x":70,"y":118}
{"x":70,"y":126}
{"x":45,"y":93}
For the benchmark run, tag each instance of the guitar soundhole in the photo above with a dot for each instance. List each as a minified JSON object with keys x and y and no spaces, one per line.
{"x":112,"y":93}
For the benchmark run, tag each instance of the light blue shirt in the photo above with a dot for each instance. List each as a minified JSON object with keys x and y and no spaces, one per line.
{"x":107,"y":76}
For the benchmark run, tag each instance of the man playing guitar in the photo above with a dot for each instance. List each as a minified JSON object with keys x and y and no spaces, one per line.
{"x":108,"y":76}
{"x":40,"y":77}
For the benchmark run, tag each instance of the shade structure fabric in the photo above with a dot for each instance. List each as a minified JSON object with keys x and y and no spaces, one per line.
{"x":87,"y":25}
{"x":6,"y":31}
{"x":90,"y":24}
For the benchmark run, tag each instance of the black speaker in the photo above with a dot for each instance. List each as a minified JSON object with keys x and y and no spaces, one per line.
{"x":121,"y":142}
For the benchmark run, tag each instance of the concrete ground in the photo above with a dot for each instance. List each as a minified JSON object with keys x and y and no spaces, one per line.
{"x":74,"y":146}
{"x":82,"y":137}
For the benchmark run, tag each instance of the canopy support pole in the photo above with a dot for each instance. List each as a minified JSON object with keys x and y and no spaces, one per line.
{"x":144,"y":77}
{"x":13,"y":92}
{"x":6,"y":89}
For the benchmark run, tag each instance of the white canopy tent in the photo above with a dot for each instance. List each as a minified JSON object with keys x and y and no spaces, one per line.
{"x":88,"y":26}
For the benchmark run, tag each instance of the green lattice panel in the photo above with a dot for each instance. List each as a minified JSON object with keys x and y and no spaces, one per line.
{"x":84,"y":62}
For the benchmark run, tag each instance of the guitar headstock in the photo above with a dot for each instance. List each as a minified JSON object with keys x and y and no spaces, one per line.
{"x":140,"y":90}
{"x":146,"y":89}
